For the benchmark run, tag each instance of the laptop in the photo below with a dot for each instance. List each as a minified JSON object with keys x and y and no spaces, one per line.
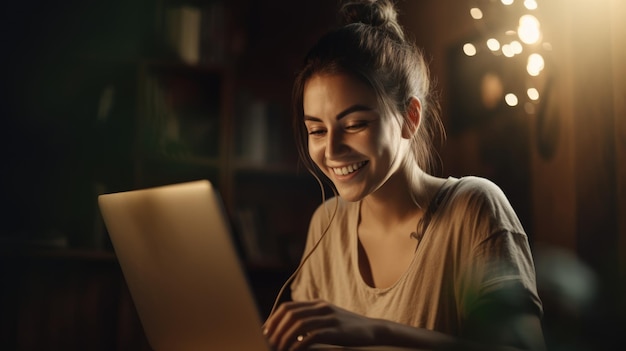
{"x":177,"y":255}
{"x":176,"y":250}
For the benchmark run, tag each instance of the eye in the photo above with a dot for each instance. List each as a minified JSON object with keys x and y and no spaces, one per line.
{"x":316,"y":132}
{"x":355,"y":126}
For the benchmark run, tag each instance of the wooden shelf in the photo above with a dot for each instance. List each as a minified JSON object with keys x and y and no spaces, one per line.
{"x":58,"y":253}
{"x":183,"y":66}
{"x":183,"y":160}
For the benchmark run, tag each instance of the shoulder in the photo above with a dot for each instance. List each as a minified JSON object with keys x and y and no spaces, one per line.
{"x":481,"y":198}
{"x":478,"y":189}
{"x":479,"y":186}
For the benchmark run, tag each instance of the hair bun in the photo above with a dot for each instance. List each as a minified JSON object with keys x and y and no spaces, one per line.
{"x":376,"y":13}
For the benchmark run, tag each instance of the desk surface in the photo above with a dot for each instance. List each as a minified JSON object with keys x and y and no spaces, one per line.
{"x":362,"y":348}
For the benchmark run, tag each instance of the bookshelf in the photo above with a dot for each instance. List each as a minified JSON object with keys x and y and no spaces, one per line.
{"x":121,"y":105}
{"x":102,"y":105}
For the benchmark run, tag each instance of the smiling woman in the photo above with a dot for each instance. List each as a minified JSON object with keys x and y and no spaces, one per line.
{"x":399,"y":257}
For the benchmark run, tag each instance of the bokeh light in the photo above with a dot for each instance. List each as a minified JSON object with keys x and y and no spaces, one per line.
{"x":533,"y":94}
{"x":530,"y":4}
{"x":507,"y":50}
{"x":535,"y":64}
{"x":469,"y":49}
{"x":511,"y":99}
{"x":493,"y":44}
{"x":476,"y":13}
{"x":517,"y":47}
{"x":529,"y":29}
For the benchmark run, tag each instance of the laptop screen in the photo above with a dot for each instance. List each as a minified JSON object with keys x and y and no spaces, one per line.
{"x":176,"y":252}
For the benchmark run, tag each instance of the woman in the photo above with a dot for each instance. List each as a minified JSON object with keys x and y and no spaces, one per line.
{"x":399,"y":257}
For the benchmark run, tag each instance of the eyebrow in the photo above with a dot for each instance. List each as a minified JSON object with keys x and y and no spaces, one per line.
{"x":342,"y":114}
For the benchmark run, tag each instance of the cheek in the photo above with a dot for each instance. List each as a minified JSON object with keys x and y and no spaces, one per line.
{"x":316,"y":152}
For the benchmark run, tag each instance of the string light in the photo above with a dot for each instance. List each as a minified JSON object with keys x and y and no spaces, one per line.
{"x":507,"y":50}
{"x":530,"y":4}
{"x":525,"y":36}
{"x":535,"y":64}
{"x":528,"y":30}
{"x":476,"y":13}
{"x":511,"y":99}
{"x":469,"y":49}
{"x":493,"y":44}
{"x":517,"y":47}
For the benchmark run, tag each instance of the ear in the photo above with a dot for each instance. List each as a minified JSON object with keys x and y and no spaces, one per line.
{"x":412,"y":118}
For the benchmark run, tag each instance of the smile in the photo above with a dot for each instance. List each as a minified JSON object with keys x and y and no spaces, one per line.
{"x":348,"y":169}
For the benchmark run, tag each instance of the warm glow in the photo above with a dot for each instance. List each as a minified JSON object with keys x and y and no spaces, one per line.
{"x":493,"y":44}
{"x":491,"y":90}
{"x":476,"y":13}
{"x":528,"y":29}
{"x":511,"y":99}
{"x":530,"y":4}
{"x":469,"y":49}
{"x":530,"y":108}
{"x":535,"y":64}
{"x":533,"y":94}
{"x":508,"y":51}
{"x":507,"y":2}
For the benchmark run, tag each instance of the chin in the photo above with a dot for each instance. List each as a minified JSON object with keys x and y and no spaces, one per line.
{"x":350,"y":196}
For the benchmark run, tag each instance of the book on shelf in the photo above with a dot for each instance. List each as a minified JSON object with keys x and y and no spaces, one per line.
{"x":183,"y":32}
{"x":260,"y":127}
{"x":197,"y":33}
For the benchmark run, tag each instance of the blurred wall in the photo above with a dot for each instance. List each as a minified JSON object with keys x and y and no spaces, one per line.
{"x":574,"y":171}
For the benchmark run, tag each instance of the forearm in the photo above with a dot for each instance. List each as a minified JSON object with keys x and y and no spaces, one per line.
{"x":395,"y":334}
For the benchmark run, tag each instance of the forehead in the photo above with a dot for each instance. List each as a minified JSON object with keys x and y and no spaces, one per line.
{"x":332,"y":93}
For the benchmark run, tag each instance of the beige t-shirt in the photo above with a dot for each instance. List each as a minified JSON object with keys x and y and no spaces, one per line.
{"x":473,"y":245}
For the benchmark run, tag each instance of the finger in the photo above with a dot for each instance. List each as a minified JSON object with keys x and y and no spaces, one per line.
{"x":320,"y":336}
{"x":274,"y":319}
{"x":286,"y":306}
{"x":304,"y":328}
{"x":286,"y":319}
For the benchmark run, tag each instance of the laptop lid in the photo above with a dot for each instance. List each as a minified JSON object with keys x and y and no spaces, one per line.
{"x":176,"y":252}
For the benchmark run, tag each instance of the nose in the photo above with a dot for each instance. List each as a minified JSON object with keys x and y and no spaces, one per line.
{"x":335,"y":144}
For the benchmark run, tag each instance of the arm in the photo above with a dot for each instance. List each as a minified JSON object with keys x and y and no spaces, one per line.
{"x":297,"y":325}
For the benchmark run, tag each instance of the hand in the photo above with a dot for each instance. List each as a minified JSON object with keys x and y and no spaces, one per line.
{"x":298,"y":325}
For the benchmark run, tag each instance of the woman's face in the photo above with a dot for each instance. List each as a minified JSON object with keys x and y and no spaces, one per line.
{"x":355,"y":146}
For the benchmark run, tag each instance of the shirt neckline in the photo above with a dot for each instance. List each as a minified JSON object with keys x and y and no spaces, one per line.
{"x":432,"y":206}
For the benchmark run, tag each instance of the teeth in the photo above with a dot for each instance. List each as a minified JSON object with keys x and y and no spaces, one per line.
{"x":348,"y":169}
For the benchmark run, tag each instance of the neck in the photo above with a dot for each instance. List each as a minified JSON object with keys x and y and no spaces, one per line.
{"x":392,"y":203}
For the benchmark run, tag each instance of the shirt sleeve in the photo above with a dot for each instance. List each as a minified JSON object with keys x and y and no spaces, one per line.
{"x":500,"y":264}
{"x":502,"y":268}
